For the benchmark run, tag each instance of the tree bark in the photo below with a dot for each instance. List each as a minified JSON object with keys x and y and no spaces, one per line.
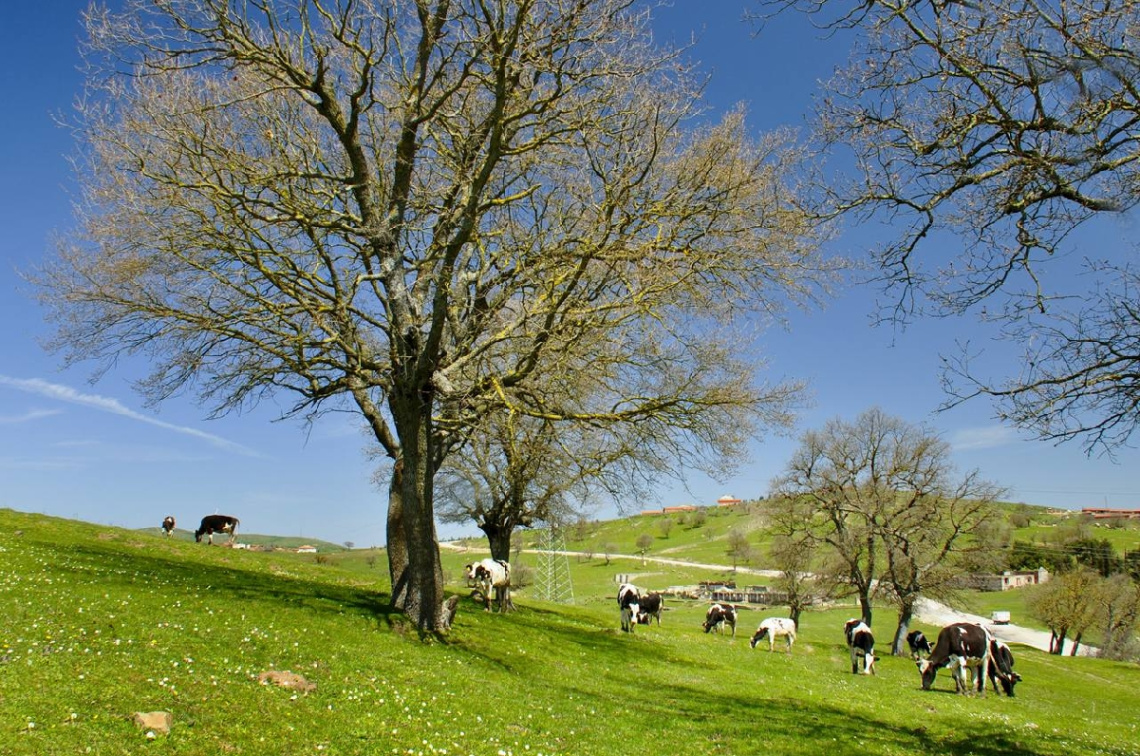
{"x":906,"y":614}
{"x":499,"y":538}
{"x":422,"y":598}
{"x":397,"y":540}
{"x":865,"y":604}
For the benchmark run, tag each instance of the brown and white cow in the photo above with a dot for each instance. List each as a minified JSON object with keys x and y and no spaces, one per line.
{"x":719,"y":615}
{"x":491,"y":576}
{"x":650,"y":606}
{"x":216,"y":523}
{"x":963,"y":648}
{"x":168,"y":526}
{"x":1001,"y":667}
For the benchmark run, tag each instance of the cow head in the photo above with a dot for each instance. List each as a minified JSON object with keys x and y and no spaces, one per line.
{"x":928,"y":671}
{"x":759,"y":636}
{"x":1008,"y":681}
{"x":713,"y":618}
{"x":198,"y":535}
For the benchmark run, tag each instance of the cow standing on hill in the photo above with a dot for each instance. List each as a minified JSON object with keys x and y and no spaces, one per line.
{"x":168,"y":526}
{"x":861,"y":643}
{"x":772,"y":628}
{"x":1001,"y":667}
{"x":963,"y":648}
{"x":650,"y":606}
{"x":491,"y":576}
{"x":719,"y":615}
{"x":216,"y":524}
{"x":629,"y":603}
{"x":919,"y":645}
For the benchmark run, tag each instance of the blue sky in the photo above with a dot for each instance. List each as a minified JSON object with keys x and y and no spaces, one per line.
{"x":93,"y":451}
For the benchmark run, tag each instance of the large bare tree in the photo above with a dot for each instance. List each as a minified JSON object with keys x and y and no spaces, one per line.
{"x":421,"y":211}
{"x":992,"y":135}
{"x":880,"y":498}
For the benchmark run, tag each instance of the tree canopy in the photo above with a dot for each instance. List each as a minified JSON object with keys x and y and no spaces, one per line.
{"x":991,"y":136}
{"x":424,"y":212}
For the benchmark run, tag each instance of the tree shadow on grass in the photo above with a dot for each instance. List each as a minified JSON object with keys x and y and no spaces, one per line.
{"x":230,"y":582}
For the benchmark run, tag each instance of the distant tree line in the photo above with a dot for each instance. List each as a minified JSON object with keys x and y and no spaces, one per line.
{"x":1096,"y":554}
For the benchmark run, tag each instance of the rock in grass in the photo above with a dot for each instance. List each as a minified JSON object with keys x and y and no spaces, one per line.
{"x":154,"y":722}
{"x":286,"y":679}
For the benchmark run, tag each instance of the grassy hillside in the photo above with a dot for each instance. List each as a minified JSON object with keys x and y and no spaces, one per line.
{"x":100,"y":623}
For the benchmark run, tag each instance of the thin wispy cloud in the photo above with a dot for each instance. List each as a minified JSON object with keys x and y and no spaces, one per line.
{"x":28,"y":416}
{"x":107,"y":404}
{"x":987,"y":437}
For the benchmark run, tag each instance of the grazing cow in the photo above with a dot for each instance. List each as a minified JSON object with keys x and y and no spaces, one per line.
{"x":490,"y":576}
{"x":168,"y":526}
{"x":964,"y":648}
{"x":1001,"y":667}
{"x":629,"y":602}
{"x":919,"y":645}
{"x":861,"y":643}
{"x":772,"y":628}
{"x":216,"y":524}
{"x":719,"y":615}
{"x":650,"y":606}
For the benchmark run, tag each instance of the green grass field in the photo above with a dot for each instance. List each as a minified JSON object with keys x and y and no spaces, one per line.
{"x":100,"y":623}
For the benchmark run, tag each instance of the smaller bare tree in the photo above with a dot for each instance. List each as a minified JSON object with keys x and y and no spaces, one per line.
{"x":738,"y":548}
{"x":794,"y":558}
{"x":1067,"y":604}
{"x":644,"y":541}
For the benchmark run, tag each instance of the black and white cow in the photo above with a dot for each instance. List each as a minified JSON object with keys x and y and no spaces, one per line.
{"x":861,"y":644}
{"x":216,"y":524}
{"x":168,"y":526}
{"x":772,"y":628}
{"x":629,"y":602}
{"x":719,"y":615}
{"x":651,"y":605}
{"x":919,"y":645}
{"x":1001,"y":667}
{"x":490,"y":576}
{"x":963,"y":648}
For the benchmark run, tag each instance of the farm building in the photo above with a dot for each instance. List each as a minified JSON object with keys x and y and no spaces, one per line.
{"x":1103,"y":513}
{"x":1008,"y":579}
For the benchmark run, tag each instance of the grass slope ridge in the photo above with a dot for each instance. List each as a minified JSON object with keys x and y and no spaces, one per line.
{"x":100,"y":623}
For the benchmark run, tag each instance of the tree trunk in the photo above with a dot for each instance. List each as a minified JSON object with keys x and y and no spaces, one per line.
{"x":397,"y":540}
{"x":499,"y":538}
{"x":423,"y":595}
{"x":1076,"y":644}
{"x":1059,"y":642}
{"x":865,"y":605}
{"x":906,"y":614}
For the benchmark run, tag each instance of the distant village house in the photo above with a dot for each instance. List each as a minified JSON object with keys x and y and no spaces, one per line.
{"x":1008,"y":580}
